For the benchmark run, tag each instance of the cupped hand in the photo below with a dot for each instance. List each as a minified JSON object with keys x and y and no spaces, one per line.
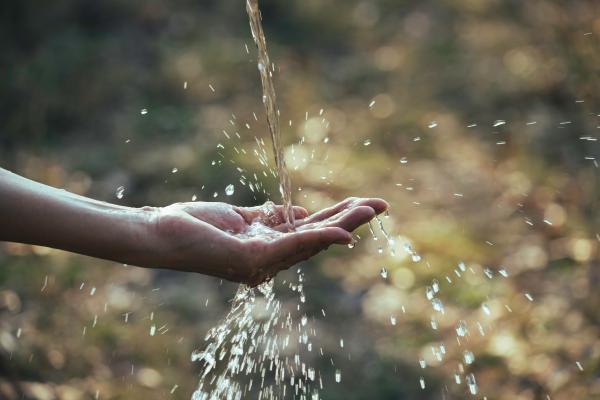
{"x":250,"y":244}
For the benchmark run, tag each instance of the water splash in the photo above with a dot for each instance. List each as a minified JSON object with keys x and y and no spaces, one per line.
{"x":472,"y":384}
{"x":249,"y":349}
{"x":383,"y":273}
{"x":461,"y":328}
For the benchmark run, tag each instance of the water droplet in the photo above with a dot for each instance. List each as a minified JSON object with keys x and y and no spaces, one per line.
{"x":461,"y":328}
{"x":469,"y":357}
{"x":579,"y":365}
{"x":229,"y":190}
{"x":144,"y":111}
{"x":488,"y":272}
{"x":367,"y":142}
{"x":422,"y":382}
{"x":338,"y":375}
{"x":304,"y":320}
{"x":174,"y":170}
{"x":503,"y":272}
{"x":499,"y":122}
{"x":486,"y":309}
{"x":457,"y":379}
{"x":435,"y":285}
{"x":437,"y":305}
{"x":383,"y":273}
{"x":480,"y":327}
{"x":423,"y":363}
{"x":120,"y":191}
{"x":472,"y":383}
{"x":429,"y":292}
{"x":152,"y":330}
{"x":393,"y":320}
{"x":529,"y":297}
{"x":432,"y":125}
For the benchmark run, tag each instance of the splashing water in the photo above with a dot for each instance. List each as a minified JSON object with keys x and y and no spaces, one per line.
{"x":472,"y":383}
{"x":237,"y":339}
{"x":383,"y":273}
{"x":252,"y":347}
{"x":257,"y":347}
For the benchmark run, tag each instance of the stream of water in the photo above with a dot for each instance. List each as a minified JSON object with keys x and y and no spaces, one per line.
{"x":269,"y":100}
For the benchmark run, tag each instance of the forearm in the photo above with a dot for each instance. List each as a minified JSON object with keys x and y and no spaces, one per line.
{"x":37,"y":214}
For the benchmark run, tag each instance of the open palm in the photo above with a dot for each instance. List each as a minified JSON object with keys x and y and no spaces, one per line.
{"x":252,"y":244}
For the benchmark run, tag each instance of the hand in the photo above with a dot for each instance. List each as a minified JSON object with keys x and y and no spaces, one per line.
{"x":250,"y":244}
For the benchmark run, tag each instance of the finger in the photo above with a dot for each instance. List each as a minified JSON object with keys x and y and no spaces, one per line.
{"x":348,"y":220}
{"x":378,"y":205}
{"x":330,"y":211}
{"x":300,"y":212}
{"x":280,"y":225}
{"x":283,"y":250}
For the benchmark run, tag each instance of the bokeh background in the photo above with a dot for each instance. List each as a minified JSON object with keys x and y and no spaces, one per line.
{"x":482,"y":136}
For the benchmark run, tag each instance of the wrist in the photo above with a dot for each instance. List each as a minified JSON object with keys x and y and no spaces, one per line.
{"x":143,"y":237}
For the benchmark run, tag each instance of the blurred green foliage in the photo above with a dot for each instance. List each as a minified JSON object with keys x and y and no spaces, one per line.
{"x":443,"y":76}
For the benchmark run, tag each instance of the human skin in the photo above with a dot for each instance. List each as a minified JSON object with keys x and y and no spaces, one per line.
{"x":204,"y":237}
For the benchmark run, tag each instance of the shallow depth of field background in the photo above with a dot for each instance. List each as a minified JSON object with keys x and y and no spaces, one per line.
{"x":74,"y":76}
